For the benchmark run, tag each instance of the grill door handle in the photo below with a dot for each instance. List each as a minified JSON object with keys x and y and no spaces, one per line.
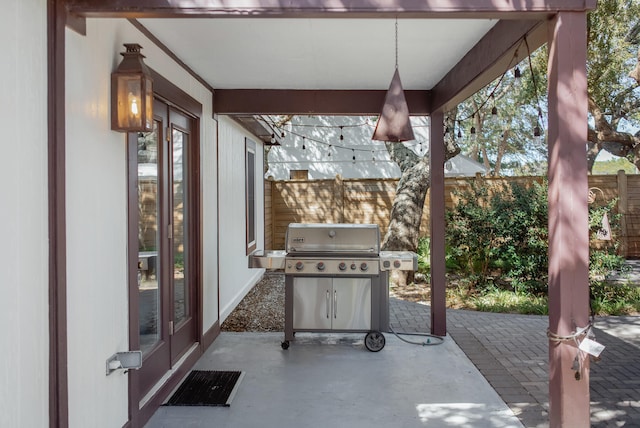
{"x":335,"y":304}
{"x":328,"y":304}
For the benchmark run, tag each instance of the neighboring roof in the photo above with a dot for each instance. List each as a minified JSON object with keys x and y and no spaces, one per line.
{"x":326,"y":155}
{"x":463,"y":166}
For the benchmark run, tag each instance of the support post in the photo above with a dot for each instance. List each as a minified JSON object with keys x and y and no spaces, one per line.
{"x":568,"y":217}
{"x":437,"y":226}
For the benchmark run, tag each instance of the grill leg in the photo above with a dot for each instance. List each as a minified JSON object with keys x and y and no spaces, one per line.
{"x":288,"y":310}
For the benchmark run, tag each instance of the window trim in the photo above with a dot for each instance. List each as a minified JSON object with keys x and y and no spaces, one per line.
{"x":251,"y":218}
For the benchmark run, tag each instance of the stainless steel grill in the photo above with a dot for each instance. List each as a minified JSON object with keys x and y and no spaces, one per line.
{"x":336,"y":279}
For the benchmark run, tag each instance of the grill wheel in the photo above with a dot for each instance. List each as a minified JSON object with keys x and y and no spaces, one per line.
{"x":374,"y":341}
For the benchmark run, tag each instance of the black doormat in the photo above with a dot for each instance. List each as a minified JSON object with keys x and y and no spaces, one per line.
{"x":207,"y":388}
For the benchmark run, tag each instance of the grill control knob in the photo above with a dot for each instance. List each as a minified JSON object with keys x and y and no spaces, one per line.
{"x":342,"y":266}
{"x":353,"y":266}
{"x":386,"y":264}
{"x":396,"y":264}
{"x":320,"y":266}
{"x":364,"y":267}
{"x":299,"y":266}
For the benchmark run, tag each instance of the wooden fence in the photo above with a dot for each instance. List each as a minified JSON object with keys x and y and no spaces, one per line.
{"x":370,"y":200}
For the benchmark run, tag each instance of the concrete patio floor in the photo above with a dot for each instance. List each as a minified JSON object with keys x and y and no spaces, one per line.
{"x":332,"y":380}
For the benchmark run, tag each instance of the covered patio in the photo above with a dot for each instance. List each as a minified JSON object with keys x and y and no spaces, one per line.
{"x":325,"y":57}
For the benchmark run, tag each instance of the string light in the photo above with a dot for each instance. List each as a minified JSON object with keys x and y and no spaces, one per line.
{"x":411,"y":146}
{"x":494,"y":110}
{"x":517,"y":77}
{"x":537,"y":132}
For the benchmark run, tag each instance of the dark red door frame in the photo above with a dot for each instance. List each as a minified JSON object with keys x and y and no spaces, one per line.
{"x":58,"y":386}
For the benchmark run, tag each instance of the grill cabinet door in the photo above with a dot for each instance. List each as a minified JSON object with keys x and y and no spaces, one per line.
{"x":312,"y":303}
{"x":351,"y":299}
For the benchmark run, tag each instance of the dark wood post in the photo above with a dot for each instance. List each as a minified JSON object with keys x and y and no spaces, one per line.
{"x":568,"y":218}
{"x":437,"y":224}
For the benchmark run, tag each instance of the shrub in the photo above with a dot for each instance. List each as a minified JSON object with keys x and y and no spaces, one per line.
{"x":505,"y":234}
{"x":610,"y":299}
{"x":503,"y":238}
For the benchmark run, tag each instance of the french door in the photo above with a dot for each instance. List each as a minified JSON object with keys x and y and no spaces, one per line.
{"x":167,"y":262}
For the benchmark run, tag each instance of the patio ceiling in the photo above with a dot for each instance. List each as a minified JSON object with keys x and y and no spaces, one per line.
{"x":336,"y":56}
{"x":319,"y":54}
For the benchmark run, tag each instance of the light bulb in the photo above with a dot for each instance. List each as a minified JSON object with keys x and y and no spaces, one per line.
{"x":133,"y":100}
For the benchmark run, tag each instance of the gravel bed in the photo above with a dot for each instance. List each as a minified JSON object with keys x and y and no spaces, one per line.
{"x":262,"y":309}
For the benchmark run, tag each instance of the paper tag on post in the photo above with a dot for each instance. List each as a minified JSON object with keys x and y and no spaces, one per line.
{"x":591,"y":347}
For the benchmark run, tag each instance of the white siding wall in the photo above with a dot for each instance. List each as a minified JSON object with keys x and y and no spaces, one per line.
{"x":97,"y":217}
{"x":24,"y":338}
{"x":235,"y":278}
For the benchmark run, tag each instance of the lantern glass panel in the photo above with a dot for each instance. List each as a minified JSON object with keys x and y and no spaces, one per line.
{"x":148,"y":104}
{"x":129,"y":99}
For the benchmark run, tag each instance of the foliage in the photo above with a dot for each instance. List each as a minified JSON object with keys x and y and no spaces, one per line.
{"x":604,"y":258}
{"x":471,"y":232}
{"x":612,"y":299}
{"x":507,"y":146}
{"x":505,"y":142}
{"x":505,"y":232}
{"x":497,"y":300}
{"x":611,"y":55}
{"x":611,"y":167}
{"x":424,"y":255}
{"x":502,"y":239}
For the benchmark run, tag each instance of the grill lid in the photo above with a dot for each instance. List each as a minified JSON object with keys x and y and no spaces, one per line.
{"x":307,"y":238}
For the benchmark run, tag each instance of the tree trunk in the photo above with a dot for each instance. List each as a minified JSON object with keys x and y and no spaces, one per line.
{"x":502,"y":148}
{"x":403,"y":233}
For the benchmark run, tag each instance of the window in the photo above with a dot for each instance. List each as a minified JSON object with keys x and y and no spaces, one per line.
{"x":250,"y":193}
{"x":299,"y":174}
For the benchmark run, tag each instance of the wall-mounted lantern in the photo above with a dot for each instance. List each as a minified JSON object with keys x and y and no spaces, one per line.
{"x":132,"y":93}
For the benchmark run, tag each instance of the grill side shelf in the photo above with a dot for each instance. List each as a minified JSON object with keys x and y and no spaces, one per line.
{"x":267,"y":259}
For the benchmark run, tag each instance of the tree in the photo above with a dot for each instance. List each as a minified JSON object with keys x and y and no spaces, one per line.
{"x":614,"y":35}
{"x":613,"y":78}
{"x":497,"y":125}
{"x":403,"y":232}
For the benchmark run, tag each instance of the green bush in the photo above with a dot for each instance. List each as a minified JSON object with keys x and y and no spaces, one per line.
{"x":503,"y":239}
{"x":472,"y":235}
{"x":504,"y":234}
{"x":424,"y":255}
{"x":611,"y":299}
{"x":604,"y":259}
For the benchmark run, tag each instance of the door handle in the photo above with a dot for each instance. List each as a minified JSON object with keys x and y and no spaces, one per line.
{"x":335,"y":304}
{"x":328,"y":304}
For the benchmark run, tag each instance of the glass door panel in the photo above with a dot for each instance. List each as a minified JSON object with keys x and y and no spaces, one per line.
{"x":180,"y":236}
{"x":148,"y":240}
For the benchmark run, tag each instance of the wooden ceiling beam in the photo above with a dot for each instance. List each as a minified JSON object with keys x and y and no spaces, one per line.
{"x":533,"y":9}
{"x":328,"y":102}
{"x":501,"y":49}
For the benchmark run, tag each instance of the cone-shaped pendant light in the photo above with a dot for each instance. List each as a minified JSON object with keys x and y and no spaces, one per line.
{"x":394,"y":123}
